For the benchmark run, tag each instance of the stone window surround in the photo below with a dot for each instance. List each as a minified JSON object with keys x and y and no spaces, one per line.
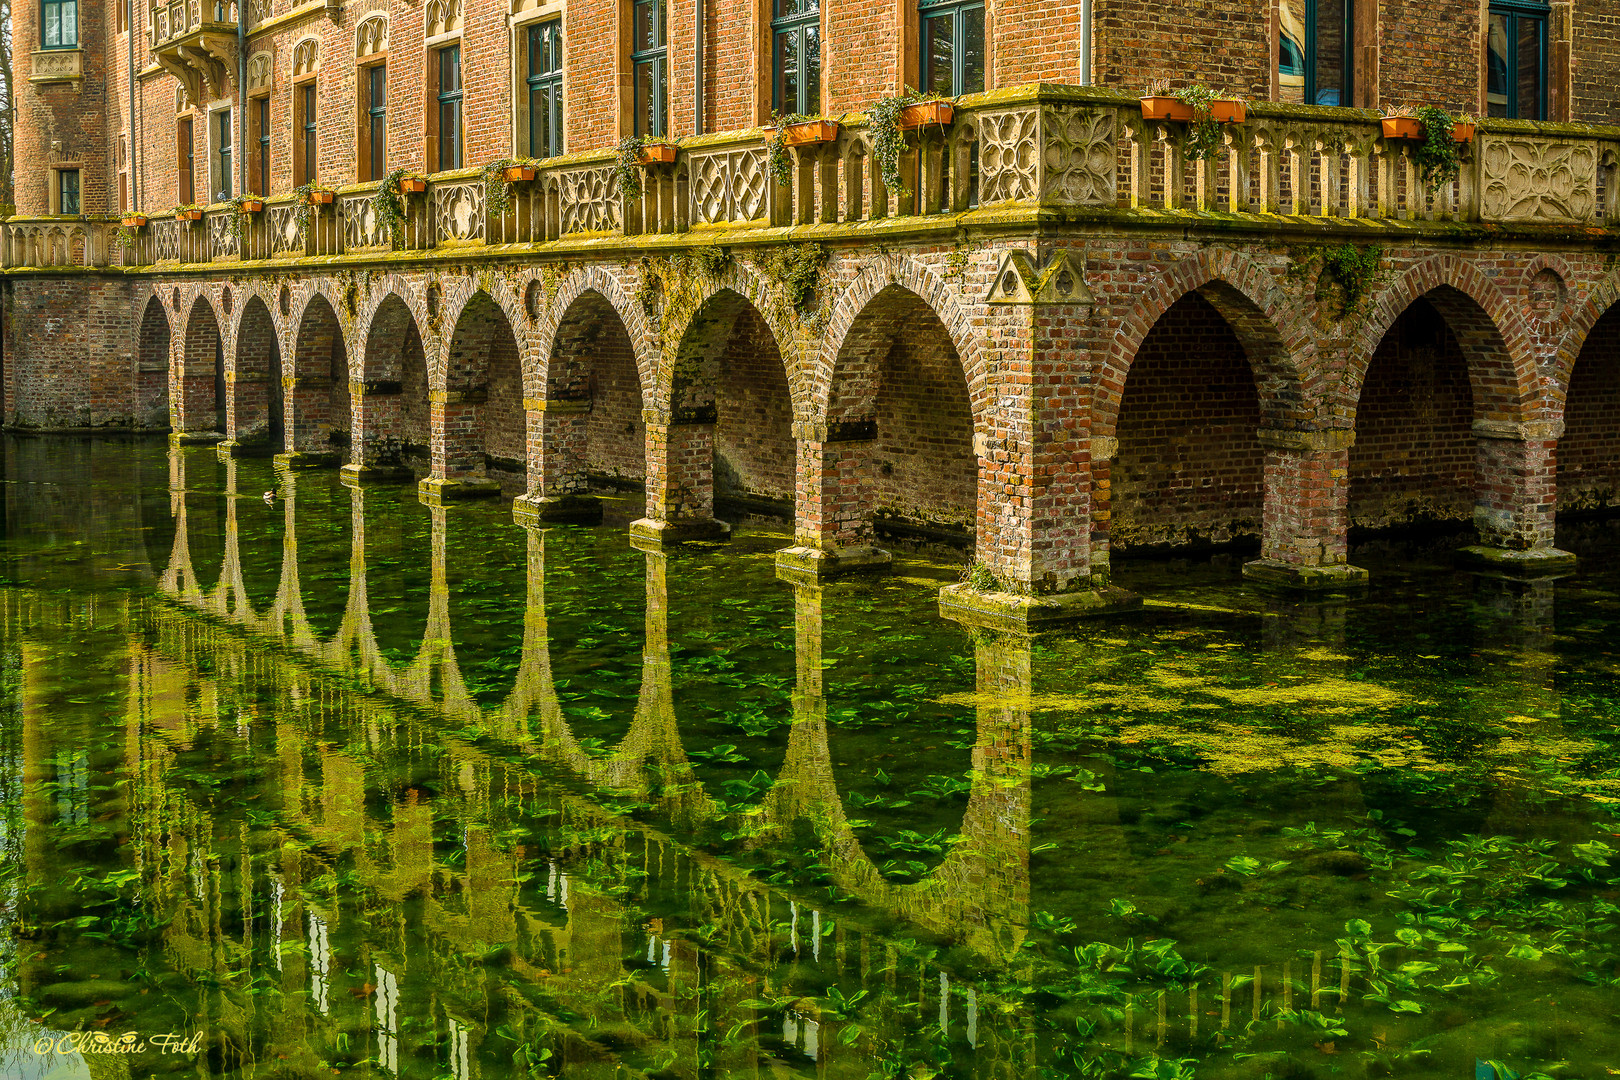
{"x":364,"y":61}
{"x":430,"y":99}
{"x":524,"y":14}
{"x":57,"y":168}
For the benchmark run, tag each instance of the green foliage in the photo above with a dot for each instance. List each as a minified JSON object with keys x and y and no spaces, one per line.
{"x":497,"y":189}
{"x":126,"y":236}
{"x":796,"y":268}
{"x":237,"y":217}
{"x":781,"y":165}
{"x":1436,"y":156}
{"x":1353,"y":269}
{"x":627,"y":166}
{"x":303,"y":208}
{"x":1203,"y":134}
{"x":388,"y":204}
{"x":888,"y":142}
{"x":979,"y":576}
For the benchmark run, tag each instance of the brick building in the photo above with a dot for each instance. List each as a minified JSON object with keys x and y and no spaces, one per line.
{"x":1066,"y":330}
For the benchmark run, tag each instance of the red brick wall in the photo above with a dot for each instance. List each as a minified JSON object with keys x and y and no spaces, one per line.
{"x":860,"y":55}
{"x":505,"y":425}
{"x":76,"y":121}
{"x":77,"y":368}
{"x":1429,"y":53}
{"x":152,"y":369}
{"x":1589,"y":453}
{"x":1188,"y":468}
{"x":1413,"y":459}
{"x":754,"y":452}
{"x":591,"y":52}
{"x":925,"y":469}
{"x":1226,"y":45}
{"x":1037,"y":42}
{"x":1594,"y":63}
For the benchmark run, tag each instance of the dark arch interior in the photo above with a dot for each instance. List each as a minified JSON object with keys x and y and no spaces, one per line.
{"x":396,"y":366}
{"x":1413,"y":459}
{"x":321,"y":412}
{"x":258,"y":391}
{"x":484,"y":357}
{"x":1589,"y":452}
{"x":152,"y":369}
{"x":1188,"y":469}
{"x":204,"y":375}
{"x":592,"y":357}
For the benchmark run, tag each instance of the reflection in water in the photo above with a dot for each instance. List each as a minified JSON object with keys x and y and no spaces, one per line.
{"x":812,"y":830}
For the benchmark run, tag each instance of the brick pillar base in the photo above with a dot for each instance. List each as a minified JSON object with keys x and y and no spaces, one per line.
{"x":832,"y":525}
{"x":247,"y":415}
{"x":308,"y":419}
{"x":1304,"y":542}
{"x":680,"y":480}
{"x":457,"y":439}
{"x":375,"y":447}
{"x":558,"y":487}
{"x":1517,"y":470}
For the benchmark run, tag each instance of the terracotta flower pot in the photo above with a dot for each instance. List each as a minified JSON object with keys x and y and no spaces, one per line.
{"x":188,"y":215}
{"x":515,"y":173}
{"x":935,"y":113}
{"x":1463,"y":133}
{"x":319,"y":198}
{"x":412,"y":185}
{"x":252,"y":206}
{"x":1228,"y":112}
{"x":134,"y":221}
{"x":810,"y":133}
{"x":1166,"y":108}
{"x":1402,"y":127}
{"x":656,"y":154}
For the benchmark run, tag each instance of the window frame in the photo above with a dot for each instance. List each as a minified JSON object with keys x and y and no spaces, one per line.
{"x":1514,"y":11}
{"x":220,"y":158}
{"x":59,"y":193}
{"x":370,"y":115}
{"x":796,"y":25}
{"x":928,"y":10}
{"x":185,"y":145}
{"x":259,"y":133}
{"x":438,"y":98}
{"x":548,"y":84}
{"x":306,"y":132}
{"x":656,"y":58}
{"x":1308,"y":51}
{"x":60,"y":5}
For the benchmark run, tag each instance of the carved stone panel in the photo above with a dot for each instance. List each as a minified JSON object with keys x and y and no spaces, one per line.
{"x":165,"y":240}
{"x":458,"y":211}
{"x":588,"y":202}
{"x":1009,"y":156}
{"x":361,"y":229}
{"x":1538,"y":179}
{"x":57,"y":65}
{"x":729,"y":186}
{"x":1079,"y":156}
{"x":285,"y":236}
{"x":221,"y":240}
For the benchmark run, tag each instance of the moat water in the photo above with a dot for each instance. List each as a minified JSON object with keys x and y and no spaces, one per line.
{"x":348,"y":784}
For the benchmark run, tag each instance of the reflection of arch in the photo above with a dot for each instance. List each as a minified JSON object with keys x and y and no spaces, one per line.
{"x":255,"y":403}
{"x":152,"y":367}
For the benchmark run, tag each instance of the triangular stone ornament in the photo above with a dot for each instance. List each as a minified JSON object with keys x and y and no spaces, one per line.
{"x":1014,"y":281}
{"x":1062,"y":282}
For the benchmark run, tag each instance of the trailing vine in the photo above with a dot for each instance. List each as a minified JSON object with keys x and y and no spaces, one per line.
{"x":237,"y":216}
{"x":797,"y":269}
{"x":887,"y":140}
{"x":388,"y":204}
{"x":497,"y":189}
{"x":1203,"y":134}
{"x":1353,"y":269}
{"x":126,"y":236}
{"x":627,"y":166}
{"x":781,"y":165}
{"x":303,"y":208}
{"x":1436,"y":156}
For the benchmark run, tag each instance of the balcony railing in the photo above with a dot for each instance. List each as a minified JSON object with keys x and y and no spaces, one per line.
{"x":1046,"y":147}
{"x":183,"y":17}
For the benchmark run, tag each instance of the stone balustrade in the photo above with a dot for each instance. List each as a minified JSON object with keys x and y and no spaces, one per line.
{"x":181,"y":17}
{"x":1035,"y":147}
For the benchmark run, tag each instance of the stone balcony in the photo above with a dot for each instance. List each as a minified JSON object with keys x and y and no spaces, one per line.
{"x":195,"y":41}
{"x":1011,"y":160}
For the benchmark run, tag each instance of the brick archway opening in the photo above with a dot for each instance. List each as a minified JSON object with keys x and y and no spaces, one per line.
{"x":1188,"y":469}
{"x":899,"y":402}
{"x":1589,"y":452}
{"x":318,"y":400}
{"x":255,"y":403}
{"x":483,"y":431}
{"x":594,"y":362}
{"x":1415,"y":457}
{"x":201,"y":401}
{"x":152,"y":368}
{"x":392,"y":413}
{"x":729,"y":374}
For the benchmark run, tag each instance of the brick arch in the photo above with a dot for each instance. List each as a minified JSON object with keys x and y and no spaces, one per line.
{"x":739,"y":290}
{"x":383,"y":326}
{"x":254,"y":403}
{"x":1491,"y":331}
{"x":453,"y":302}
{"x":318,"y":404}
{"x":480,"y":372}
{"x":243,"y":293}
{"x":152,"y":353}
{"x":893,"y":275}
{"x":1247,"y":297}
{"x":597,"y":281}
{"x":304,"y":293}
{"x":201,"y":345}
{"x":1581,"y":318}
{"x":376,"y":296}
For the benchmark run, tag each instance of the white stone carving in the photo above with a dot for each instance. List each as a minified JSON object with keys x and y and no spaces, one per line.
{"x":1539,"y":180}
{"x":729,"y":185}
{"x":361,"y":229}
{"x":285,"y":238}
{"x":306,"y":57}
{"x":458,"y":210}
{"x":371,"y":36}
{"x":1080,"y":156}
{"x":1009,"y":156}
{"x":221,"y":242}
{"x":588,"y":202}
{"x":165,"y":235}
{"x":443,"y":17}
{"x":260,"y":72}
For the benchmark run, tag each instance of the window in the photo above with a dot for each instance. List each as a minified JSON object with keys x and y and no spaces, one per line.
{"x":59,"y":24}
{"x":123,"y":172}
{"x":649,"y":61}
{"x":545,"y":89}
{"x":376,"y":141}
{"x":796,"y":52}
{"x":450,"y":107}
{"x":953,"y":48}
{"x":1516,"y":61}
{"x":305,"y":123}
{"x":261,"y":109}
{"x":67,"y":191}
{"x":221,"y":124}
{"x":1314,"y":52}
{"x":187,"y":178}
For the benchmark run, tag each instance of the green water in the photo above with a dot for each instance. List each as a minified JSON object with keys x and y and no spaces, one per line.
{"x":352,"y":784}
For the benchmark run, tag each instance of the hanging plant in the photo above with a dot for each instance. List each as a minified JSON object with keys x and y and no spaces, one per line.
{"x":888,"y":138}
{"x":776,"y":154}
{"x":388,"y":204}
{"x":238,"y":213}
{"x":126,"y":236}
{"x":627,"y":167}
{"x":1436,"y":155}
{"x":499,"y":176}
{"x":308,"y":196}
{"x":1204,"y":132}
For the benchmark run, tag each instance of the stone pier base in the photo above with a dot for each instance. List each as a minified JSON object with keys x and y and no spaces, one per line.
{"x":1339,"y":578}
{"x":436,"y":492}
{"x":1013,"y":611}
{"x":650,"y":534}
{"x":809,"y":565}
{"x":1533,"y":563}
{"x":556,"y":509}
